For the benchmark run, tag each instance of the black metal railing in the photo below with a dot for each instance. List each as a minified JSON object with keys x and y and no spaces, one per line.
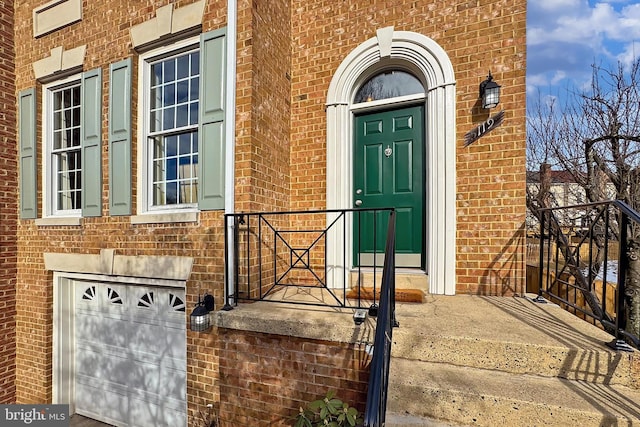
{"x":305,"y":257}
{"x":374,"y":415}
{"x":585,"y":253}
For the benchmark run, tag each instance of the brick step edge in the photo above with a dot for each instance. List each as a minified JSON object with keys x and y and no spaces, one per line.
{"x":402,"y":295}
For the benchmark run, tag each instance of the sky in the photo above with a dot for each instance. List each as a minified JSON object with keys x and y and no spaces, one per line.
{"x":564,"y":37}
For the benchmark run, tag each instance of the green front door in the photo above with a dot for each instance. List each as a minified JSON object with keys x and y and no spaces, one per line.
{"x":389,"y":173}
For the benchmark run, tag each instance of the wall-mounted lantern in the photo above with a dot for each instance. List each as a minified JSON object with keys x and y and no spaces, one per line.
{"x":489,"y":92}
{"x":200,"y":320}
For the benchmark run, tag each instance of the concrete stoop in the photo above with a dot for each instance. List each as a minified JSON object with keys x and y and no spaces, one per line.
{"x":487,"y":361}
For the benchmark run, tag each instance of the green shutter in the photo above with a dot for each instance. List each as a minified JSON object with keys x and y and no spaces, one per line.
{"x":211,"y":131}
{"x":28,"y":158}
{"x":120,"y":138}
{"x":91,"y":136}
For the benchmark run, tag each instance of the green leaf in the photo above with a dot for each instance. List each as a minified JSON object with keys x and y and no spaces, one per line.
{"x":351,"y":420}
{"x":334,"y":405}
{"x":330,"y":394}
{"x":323,"y":412}
{"x":316,"y":404}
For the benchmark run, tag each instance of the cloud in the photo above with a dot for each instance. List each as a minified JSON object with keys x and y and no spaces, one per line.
{"x":565,"y":37}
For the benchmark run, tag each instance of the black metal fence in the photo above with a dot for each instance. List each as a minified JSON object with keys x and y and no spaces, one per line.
{"x":313,"y":258}
{"x":376,"y":408}
{"x":593,"y":268}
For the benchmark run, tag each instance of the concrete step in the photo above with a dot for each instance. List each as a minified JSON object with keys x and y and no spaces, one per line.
{"x":406,"y":278}
{"x":512,"y":335}
{"x":411,"y":285}
{"x":421,"y":392}
{"x":402,"y":295}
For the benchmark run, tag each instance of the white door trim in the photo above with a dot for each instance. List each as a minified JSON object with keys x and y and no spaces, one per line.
{"x":424,"y":58}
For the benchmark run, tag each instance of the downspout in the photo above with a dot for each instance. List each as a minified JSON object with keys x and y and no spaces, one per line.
{"x":230,"y":113}
{"x":230,"y":135}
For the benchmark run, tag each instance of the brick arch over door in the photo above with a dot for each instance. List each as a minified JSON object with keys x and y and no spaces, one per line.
{"x":430,"y":63}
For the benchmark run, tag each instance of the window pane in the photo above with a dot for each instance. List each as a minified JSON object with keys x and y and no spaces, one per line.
{"x":168,"y":119}
{"x":183,"y":67}
{"x":172,"y":193}
{"x":195,"y":63}
{"x":183,"y":91}
{"x":389,"y":84}
{"x":172,"y":146}
{"x":185,"y":144}
{"x":195,"y":89}
{"x":193,"y":113}
{"x":169,"y":69}
{"x":169,"y":95}
{"x":182,"y":115}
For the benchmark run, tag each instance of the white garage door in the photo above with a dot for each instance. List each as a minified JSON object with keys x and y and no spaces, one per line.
{"x":130,"y":354}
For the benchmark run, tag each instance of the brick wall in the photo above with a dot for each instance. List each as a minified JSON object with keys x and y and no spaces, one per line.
{"x":262,"y":156}
{"x":8,"y":206}
{"x":105,"y":30}
{"x":262,"y":112}
{"x":477,"y":37}
{"x":266,"y":378}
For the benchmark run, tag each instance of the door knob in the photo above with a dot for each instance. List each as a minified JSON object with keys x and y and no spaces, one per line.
{"x":359,"y":191}
{"x":358,"y":202}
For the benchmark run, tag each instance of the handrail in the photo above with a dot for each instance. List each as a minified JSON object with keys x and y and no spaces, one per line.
{"x":374,"y":415}
{"x":566,"y":278}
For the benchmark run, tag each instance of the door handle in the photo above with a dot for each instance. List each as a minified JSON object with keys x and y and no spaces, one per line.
{"x":358,"y":202}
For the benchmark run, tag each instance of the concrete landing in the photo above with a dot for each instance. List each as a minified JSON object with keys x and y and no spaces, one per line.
{"x":489,"y":361}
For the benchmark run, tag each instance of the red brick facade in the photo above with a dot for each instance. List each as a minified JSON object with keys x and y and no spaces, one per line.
{"x":8,"y":206}
{"x":266,"y":378}
{"x":287,"y":54}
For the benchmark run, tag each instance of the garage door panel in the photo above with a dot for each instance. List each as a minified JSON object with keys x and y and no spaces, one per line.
{"x":102,"y":330}
{"x":150,"y":338}
{"x":104,"y":366}
{"x":131,"y":351}
{"x":102,"y":400}
{"x":172,"y":384}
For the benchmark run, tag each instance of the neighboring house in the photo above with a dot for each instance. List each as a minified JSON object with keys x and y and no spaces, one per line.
{"x":140,"y":123}
{"x":564,"y":191}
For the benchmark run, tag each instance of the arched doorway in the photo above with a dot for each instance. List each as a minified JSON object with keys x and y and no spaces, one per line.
{"x":426,"y":60}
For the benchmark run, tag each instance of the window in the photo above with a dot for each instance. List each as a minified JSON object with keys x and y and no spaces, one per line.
{"x":389,"y":84}
{"x":172,"y":134}
{"x":63,"y":149}
{"x":181,"y":129}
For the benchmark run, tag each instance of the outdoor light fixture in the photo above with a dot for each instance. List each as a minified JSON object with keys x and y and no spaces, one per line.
{"x":200,"y":315}
{"x":489,"y":92}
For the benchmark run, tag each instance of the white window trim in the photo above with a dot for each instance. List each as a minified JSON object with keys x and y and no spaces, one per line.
{"x":48,"y":180}
{"x":143,"y":180}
